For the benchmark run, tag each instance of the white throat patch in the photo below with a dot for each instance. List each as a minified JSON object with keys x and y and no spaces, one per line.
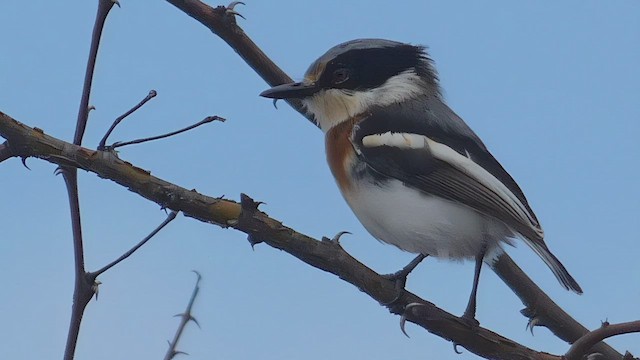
{"x":332,"y":106}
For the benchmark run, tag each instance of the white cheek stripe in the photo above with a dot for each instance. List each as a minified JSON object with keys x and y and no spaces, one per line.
{"x":330,"y":107}
{"x":461,"y":162}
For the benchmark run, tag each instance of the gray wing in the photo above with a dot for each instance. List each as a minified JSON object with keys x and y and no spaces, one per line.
{"x":440,"y":155}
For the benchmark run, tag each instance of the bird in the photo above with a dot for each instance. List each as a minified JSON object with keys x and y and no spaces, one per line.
{"x":412,"y":171}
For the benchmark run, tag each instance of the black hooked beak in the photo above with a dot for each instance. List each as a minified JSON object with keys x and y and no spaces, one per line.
{"x":296,"y":90}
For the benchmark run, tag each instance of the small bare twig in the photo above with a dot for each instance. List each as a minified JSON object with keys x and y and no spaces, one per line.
{"x":172,"y":215}
{"x":583,"y":345}
{"x":206,"y":120}
{"x":150,"y":95}
{"x":185,"y":317}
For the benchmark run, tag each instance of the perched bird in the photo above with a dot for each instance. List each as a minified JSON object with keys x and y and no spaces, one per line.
{"x":412,"y":171}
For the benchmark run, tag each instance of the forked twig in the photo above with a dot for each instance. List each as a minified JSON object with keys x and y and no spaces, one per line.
{"x":150,"y":95}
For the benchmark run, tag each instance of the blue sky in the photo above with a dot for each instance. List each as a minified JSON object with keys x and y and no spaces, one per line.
{"x":552,"y":88}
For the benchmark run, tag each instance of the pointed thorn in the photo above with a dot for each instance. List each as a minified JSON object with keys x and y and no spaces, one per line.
{"x":533,"y":322}
{"x":236,"y":14}
{"x":403,"y":320}
{"x":233,"y":4}
{"x":230,"y":9}
{"x":195,"y":321}
{"x":336,"y":238}
{"x":116,"y":2}
{"x":275,"y":105}
{"x":403,"y":317}
{"x":24,"y":162}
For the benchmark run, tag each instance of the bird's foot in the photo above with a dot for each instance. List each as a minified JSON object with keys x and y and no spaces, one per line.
{"x":400,"y":278}
{"x":470,"y":320}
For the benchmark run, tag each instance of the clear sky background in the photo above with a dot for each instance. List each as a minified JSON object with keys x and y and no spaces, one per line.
{"x":553,"y":88}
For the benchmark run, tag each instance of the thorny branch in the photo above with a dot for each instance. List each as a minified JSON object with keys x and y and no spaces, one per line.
{"x":584,"y":345}
{"x":325,"y":255}
{"x":185,"y":317}
{"x":328,"y":256}
{"x":84,"y":287}
{"x":118,"y":120}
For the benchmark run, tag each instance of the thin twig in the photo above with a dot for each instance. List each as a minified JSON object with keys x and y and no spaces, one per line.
{"x":104,"y":6}
{"x":150,"y":95}
{"x":84,"y":286}
{"x":206,"y":120}
{"x":184,"y":320}
{"x":83,"y":290}
{"x":583,"y":345}
{"x":172,"y":215}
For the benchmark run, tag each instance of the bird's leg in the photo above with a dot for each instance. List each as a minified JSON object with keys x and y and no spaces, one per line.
{"x":400,"y":277}
{"x":470,"y":313}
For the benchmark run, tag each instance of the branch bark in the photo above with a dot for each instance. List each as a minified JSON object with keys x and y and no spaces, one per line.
{"x":325,"y":255}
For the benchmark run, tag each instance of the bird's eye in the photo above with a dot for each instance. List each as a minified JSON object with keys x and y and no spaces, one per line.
{"x":340,"y":75}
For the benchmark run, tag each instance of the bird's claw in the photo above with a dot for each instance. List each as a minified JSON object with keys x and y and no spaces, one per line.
{"x":230,"y":8}
{"x":533,"y":322}
{"x":403,"y":317}
{"x":336,"y":238}
{"x":400,"y":278}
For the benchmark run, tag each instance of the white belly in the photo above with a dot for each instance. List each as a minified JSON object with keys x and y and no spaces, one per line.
{"x":421,"y":223}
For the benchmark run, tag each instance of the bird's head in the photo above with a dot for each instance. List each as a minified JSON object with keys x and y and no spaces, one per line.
{"x":358,"y":75}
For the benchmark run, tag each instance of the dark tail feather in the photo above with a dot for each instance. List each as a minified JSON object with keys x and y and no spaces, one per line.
{"x":555,"y":265}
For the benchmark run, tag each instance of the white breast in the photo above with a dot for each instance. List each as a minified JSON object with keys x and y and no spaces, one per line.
{"x":421,"y":223}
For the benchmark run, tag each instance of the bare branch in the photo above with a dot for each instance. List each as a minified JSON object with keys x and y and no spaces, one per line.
{"x":150,"y":95}
{"x":84,"y":285}
{"x":206,"y":120}
{"x":83,"y":289}
{"x":585,"y":345}
{"x":185,"y":317}
{"x":172,"y":215}
{"x":324,"y":255}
